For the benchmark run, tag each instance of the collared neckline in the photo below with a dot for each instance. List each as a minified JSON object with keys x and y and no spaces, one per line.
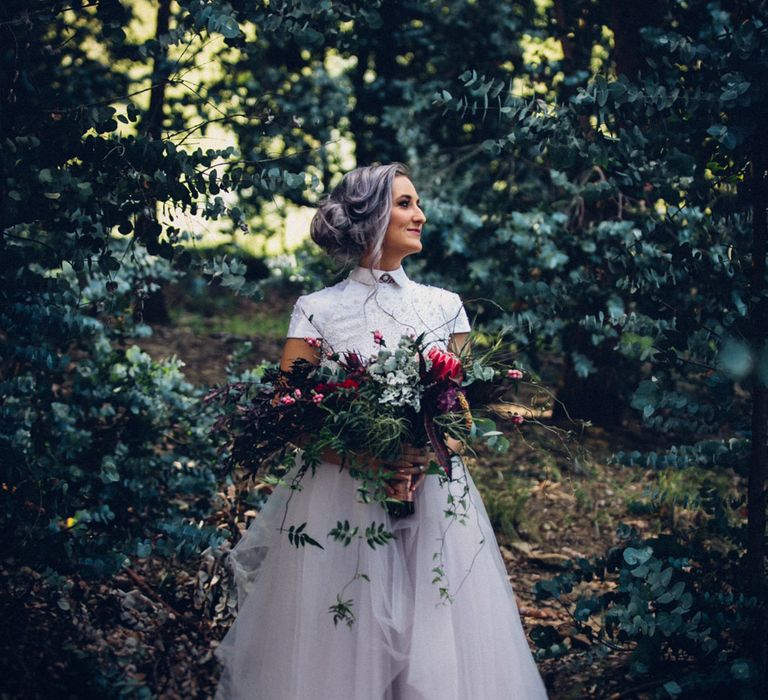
{"x":363,"y":275}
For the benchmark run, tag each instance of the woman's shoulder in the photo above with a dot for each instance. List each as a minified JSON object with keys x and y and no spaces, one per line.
{"x":435,"y":293}
{"x":310,"y":312}
{"x":322,"y":296}
{"x":318,"y":302}
{"x":445,"y":303}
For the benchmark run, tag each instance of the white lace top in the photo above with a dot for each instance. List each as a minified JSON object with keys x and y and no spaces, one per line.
{"x":345,"y":315}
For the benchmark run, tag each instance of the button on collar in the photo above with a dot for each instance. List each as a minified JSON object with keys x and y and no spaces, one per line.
{"x":363,"y":275}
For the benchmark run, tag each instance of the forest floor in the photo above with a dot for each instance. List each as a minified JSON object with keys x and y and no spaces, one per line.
{"x":553,"y":497}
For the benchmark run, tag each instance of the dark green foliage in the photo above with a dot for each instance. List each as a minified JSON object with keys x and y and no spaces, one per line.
{"x":105,"y":454}
{"x":603,"y":206}
{"x":674,"y":604}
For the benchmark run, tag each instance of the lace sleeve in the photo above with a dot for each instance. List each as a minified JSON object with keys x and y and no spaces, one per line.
{"x":303,"y":324}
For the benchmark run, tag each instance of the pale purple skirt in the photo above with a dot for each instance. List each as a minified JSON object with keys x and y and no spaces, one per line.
{"x":407,"y":642}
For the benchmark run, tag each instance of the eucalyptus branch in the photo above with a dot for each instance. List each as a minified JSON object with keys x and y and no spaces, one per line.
{"x":42,"y":10}
{"x":581,"y":626}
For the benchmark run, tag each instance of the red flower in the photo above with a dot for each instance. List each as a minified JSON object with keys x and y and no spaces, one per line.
{"x":445,"y":365}
{"x":325,"y":388}
{"x":350,"y":383}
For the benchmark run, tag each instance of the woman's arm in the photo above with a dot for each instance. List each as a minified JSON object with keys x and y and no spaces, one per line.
{"x":457,"y":342}
{"x":295,"y":349}
{"x":298,"y":349}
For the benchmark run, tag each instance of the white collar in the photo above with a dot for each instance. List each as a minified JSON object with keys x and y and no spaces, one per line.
{"x":363,"y":275}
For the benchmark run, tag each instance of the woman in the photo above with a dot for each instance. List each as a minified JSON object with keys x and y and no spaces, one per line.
{"x":434,"y":612}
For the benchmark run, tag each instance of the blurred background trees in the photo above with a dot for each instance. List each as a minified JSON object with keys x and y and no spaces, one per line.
{"x":594,"y":175}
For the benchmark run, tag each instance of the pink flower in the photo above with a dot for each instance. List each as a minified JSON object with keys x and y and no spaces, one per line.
{"x":314,"y":342}
{"x":514,"y":374}
{"x":378,"y":337}
{"x":317,"y":398}
{"x":297,"y":393}
{"x":287,"y":400}
{"x":445,"y":365}
{"x":516,"y":418}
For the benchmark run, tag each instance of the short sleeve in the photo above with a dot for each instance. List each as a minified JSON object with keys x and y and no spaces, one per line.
{"x":457,"y":315}
{"x":302,"y":323}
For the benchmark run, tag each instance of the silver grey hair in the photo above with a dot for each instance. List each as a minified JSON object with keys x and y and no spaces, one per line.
{"x":352,"y":220}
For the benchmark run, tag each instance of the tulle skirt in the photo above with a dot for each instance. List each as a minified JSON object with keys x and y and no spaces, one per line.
{"x":435,"y":617}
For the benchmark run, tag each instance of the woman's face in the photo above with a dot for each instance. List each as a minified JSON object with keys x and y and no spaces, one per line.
{"x":403,"y":235}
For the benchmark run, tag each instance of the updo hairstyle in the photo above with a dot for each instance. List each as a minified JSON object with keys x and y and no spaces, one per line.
{"x":352,"y":220}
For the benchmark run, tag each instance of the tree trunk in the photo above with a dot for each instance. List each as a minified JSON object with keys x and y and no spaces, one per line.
{"x":571,"y":20}
{"x":153,"y":307}
{"x":758,"y":465}
{"x":598,"y":397}
{"x":373,"y":141}
{"x":152,"y":123}
{"x":627,"y":18}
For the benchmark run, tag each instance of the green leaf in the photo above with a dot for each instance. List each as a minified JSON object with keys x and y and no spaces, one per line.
{"x":634,"y":556}
{"x":740,"y":670}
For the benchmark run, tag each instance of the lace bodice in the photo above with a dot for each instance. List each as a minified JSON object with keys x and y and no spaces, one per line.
{"x":345,"y":315}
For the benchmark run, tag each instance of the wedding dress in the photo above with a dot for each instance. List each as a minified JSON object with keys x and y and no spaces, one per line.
{"x":435,"y":616}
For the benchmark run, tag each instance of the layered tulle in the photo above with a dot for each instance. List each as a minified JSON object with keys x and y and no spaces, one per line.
{"x":407,"y":642}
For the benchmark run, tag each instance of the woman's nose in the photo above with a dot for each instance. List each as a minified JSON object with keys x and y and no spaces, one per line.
{"x":419,"y":215}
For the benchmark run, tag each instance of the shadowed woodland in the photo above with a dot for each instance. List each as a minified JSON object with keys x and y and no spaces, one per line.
{"x":594,"y":175}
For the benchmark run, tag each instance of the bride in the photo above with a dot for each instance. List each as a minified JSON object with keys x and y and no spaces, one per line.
{"x":434,"y":614}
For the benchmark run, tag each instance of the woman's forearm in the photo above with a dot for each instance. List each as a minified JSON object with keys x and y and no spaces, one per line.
{"x":327,"y":455}
{"x":454,"y":446}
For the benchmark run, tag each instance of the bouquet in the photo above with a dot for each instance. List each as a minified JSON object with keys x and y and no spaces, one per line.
{"x":365,"y":409}
{"x":411,"y":394}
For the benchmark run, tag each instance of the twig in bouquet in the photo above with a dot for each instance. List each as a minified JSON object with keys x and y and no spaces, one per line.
{"x":475,"y":556}
{"x":427,"y":328}
{"x":440,"y":576}
{"x":561,"y":435}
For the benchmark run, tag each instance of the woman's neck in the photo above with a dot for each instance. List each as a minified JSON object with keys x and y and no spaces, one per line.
{"x":387,"y":262}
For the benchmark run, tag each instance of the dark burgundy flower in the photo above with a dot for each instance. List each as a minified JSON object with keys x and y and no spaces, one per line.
{"x":446,"y":400}
{"x":353,"y":362}
{"x":325,"y":388}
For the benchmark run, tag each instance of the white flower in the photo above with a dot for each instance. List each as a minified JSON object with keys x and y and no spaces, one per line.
{"x":399,"y":372}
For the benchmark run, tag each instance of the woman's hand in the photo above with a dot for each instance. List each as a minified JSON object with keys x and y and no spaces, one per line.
{"x":411,"y":466}
{"x":454,"y":446}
